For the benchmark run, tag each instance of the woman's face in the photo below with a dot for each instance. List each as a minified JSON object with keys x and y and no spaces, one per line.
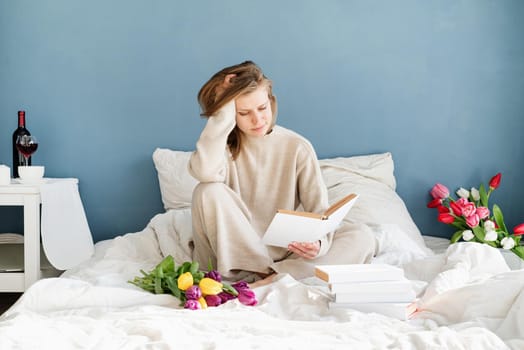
{"x":254,"y":115}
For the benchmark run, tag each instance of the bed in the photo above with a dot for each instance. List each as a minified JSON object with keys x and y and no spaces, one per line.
{"x":468,"y":297}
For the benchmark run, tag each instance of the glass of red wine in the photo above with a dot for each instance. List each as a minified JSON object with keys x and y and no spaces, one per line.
{"x":27,"y":145}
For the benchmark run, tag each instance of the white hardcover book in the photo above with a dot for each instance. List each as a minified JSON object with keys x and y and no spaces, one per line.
{"x":401,"y":311}
{"x":384,"y":297}
{"x":358,"y":273}
{"x":402,"y":285}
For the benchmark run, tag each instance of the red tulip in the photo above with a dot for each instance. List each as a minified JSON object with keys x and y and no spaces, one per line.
{"x":442,"y":209}
{"x":495,"y":181}
{"x":446,"y":218}
{"x":434,"y":203}
{"x":457,"y":209}
{"x":519,"y":230}
{"x":439,"y":191}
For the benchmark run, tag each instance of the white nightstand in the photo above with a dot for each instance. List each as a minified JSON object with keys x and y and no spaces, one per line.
{"x":28,"y":196}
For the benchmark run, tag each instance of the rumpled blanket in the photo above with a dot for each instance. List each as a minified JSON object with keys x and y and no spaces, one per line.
{"x":468,"y":299}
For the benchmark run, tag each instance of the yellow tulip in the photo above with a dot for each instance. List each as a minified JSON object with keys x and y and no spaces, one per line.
{"x":185,"y":281}
{"x":203,"y":303}
{"x":209,"y":286}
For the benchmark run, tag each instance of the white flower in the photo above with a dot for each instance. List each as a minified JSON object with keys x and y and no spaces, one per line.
{"x":475,"y":194}
{"x":467,"y":235}
{"x":490,"y":236}
{"x":489,"y":225}
{"x":463,"y":193}
{"x":507,"y":243}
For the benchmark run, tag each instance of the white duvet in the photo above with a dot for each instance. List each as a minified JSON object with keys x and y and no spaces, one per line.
{"x":469,"y":299}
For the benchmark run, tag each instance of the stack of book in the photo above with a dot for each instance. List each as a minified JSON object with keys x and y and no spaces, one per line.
{"x":376,"y":288}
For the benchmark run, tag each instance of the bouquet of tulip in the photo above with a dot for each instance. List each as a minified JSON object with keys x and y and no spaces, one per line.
{"x":470,"y":214}
{"x":194,"y":288}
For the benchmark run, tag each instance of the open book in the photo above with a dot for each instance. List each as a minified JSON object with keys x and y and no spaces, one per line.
{"x":298,"y":226}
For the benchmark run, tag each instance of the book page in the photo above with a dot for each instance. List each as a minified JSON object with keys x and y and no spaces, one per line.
{"x":288,"y":226}
{"x":285,"y":229}
{"x":342,"y":210}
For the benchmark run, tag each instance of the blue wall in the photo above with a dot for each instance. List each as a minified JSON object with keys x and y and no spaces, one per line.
{"x":440,"y":84}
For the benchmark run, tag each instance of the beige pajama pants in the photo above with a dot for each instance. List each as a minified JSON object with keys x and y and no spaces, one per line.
{"x":224,"y":236}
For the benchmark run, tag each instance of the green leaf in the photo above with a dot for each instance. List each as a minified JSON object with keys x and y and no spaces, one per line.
{"x":483,"y":196}
{"x":197,"y":277}
{"x":158,"y":286}
{"x":229,"y":289}
{"x":519,"y":250}
{"x":459,"y":225}
{"x":194,"y":267}
{"x":185,"y":267}
{"x":159,"y":272}
{"x":173,"y":287}
{"x":167,"y":264}
{"x":493,"y":244}
{"x":456,"y":236}
{"x":479,"y":233}
{"x":499,"y":218}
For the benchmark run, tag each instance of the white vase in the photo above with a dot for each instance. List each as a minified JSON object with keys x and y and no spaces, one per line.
{"x":513,"y":261}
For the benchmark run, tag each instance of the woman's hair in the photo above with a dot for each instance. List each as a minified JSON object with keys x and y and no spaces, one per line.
{"x":228,"y":84}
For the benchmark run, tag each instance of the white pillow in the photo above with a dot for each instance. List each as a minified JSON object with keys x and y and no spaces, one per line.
{"x":372,"y":178}
{"x":176,"y":184}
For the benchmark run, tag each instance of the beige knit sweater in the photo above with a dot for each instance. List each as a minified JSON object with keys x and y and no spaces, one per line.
{"x":277,"y":171}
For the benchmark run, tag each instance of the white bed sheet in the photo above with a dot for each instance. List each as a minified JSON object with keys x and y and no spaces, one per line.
{"x":469,"y":299}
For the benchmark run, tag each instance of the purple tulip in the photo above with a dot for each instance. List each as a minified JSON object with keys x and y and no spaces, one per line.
{"x":215,"y":275}
{"x":193,"y":293}
{"x":225,"y":297}
{"x":192,"y":304}
{"x":240,"y":285}
{"x":247,"y":297}
{"x":213,"y":300}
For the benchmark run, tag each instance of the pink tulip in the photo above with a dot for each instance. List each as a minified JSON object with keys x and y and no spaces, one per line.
{"x":446,"y":218}
{"x":462,"y":201}
{"x":439,"y":191}
{"x":495,"y":181}
{"x":457,"y":208}
{"x":518,"y":230}
{"x":482,"y":212}
{"x":468,"y":209}
{"x":473,"y":220}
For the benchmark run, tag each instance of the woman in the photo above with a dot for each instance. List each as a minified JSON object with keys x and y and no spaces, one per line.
{"x":248,"y":167}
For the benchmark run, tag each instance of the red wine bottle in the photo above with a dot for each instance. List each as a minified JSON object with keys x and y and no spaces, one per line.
{"x":18,"y":157}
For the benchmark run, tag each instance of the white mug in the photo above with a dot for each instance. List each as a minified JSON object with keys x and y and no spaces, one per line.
{"x":5,"y":175}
